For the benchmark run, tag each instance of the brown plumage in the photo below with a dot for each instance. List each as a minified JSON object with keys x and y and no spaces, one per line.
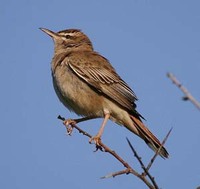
{"x":87,"y":84}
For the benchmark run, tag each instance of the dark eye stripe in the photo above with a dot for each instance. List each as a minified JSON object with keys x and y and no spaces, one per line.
{"x":68,"y":36}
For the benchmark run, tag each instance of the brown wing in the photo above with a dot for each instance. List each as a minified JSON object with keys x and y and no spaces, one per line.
{"x":98,"y":73}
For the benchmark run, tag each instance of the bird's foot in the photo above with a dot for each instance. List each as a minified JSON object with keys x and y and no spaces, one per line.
{"x":97,"y":140}
{"x":69,"y":125}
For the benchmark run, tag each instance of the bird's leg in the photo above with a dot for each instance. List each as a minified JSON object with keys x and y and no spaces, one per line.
{"x":70,"y":122}
{"x":97,"y":137}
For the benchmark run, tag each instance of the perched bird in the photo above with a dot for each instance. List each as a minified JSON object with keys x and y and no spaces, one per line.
{"x":87,"y":84}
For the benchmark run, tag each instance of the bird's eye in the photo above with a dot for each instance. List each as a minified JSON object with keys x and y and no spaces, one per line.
{"x":68,"y":36}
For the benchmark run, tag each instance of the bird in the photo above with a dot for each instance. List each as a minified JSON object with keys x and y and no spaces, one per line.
{"x":87,"y":84}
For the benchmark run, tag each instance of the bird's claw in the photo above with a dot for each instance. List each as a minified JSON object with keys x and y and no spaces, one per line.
{"x":69,"y":125}
{"x":97,"y":141}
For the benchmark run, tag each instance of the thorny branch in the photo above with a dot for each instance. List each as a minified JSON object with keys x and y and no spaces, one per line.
{"x":157,"y":153}
{"x":188,"y":95}
{"x":146,"y":177}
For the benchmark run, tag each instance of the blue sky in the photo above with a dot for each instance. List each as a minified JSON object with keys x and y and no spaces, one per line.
{"x":143,"y":40}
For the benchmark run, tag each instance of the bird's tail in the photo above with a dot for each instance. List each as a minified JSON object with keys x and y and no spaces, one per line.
{"x":148,"y":137}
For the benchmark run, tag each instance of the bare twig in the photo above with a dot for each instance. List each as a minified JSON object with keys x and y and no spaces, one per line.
{"x":150,"y":183}
{"x":146,"y":171}
{"x":125,"y":171}
{"x":157,"y":153}
{"x":188,"y":95}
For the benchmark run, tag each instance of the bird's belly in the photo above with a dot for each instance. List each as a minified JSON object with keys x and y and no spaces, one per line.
{"x":75,"y":94}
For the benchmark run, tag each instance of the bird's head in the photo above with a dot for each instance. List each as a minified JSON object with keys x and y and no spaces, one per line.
{"x":69,"y":39}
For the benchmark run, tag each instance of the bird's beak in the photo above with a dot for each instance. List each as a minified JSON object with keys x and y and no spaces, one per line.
{"x":49,"y":32}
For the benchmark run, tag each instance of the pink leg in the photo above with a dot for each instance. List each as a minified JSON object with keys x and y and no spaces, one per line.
{"x":97,"y":138}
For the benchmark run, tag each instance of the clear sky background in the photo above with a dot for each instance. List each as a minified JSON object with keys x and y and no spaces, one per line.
{"x":143,"y":40}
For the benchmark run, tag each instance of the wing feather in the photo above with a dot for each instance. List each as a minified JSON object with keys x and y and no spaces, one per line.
{"x":97,"y":72}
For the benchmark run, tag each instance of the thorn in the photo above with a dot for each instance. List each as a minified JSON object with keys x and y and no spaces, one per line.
{"x":185,"y":98}
{"x":61,"y":118}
